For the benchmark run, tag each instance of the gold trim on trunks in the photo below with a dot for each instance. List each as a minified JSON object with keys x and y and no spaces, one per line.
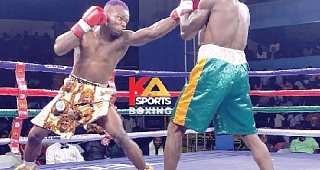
{"x":95,"y":128}
{"x":86,"y":97}
{"x":66,"y":125}
{"x":69,"y":86}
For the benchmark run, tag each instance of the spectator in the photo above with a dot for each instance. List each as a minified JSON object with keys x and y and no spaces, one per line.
{"x":295,"y":120}
{"x":115,"y":151}
{"x":4,"y":148}
{"x":308,"y":50}
{"x":304,"y":145}
{"x":156,"y":146}
{"x":316,"y":50}
{"x":278,"y":120}
{"x":313,"y":120}
{"x":274,"y":47}
{"x":95,"y":151}
{"x":264,"y":139}
{"x":249,"y":53}
{"x":261,"y":54}
{"x":129,"y":123}
{"x":281,"y":145}
{"x":63,"y":153}
{"x":296,"y":50}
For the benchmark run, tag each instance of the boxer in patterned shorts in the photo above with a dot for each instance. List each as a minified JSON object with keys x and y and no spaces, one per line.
{"x":100,"y":40}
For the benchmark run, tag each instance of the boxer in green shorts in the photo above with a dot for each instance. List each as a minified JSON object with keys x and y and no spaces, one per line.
{"x":218,"y":86}
{"x":218,"y":89}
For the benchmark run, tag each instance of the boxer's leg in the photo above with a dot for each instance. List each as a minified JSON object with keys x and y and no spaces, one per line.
{"x":34,"y":143}
{"x":235,"y":116}
{"x":112,"y":123}
{"x":196,"y":106}
{"x":33,"y":148}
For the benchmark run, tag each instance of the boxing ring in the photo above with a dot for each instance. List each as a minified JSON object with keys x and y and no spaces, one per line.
{"x":225,"y":160}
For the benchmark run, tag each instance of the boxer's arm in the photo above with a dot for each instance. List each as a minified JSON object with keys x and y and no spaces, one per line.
{"x":153,"y":32}
{"x":65,"y":43}
{"x":94,"y":16}
{"x":192,"y":23}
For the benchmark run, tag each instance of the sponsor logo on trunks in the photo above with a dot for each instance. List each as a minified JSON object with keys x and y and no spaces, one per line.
{"x":144,"y":100}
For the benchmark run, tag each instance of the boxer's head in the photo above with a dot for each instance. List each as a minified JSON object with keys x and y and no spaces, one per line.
{"x":118,"y":17}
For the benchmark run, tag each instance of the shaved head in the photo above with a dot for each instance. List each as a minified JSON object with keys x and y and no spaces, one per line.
{"x":117,"y":3}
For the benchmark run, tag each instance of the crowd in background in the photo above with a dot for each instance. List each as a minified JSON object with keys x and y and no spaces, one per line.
{"x":277,"y":50}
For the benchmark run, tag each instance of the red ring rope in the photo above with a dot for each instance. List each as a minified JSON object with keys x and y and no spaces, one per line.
{"x":5,"y":91}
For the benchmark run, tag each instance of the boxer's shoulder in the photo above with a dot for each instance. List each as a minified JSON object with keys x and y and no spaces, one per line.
{"x":126,"y":36}
{"x":207,"y":4}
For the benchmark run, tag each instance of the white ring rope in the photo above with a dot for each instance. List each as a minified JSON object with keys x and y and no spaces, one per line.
{"x":93,"y":137}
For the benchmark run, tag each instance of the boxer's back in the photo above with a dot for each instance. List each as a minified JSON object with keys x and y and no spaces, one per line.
{"x":228,"y":25}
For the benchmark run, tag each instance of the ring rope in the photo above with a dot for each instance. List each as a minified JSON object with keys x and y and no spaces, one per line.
{"x":9,"y":91}
{"x":93,"y":137}
{"x":292,"y":109}
{"x":67,"y":70}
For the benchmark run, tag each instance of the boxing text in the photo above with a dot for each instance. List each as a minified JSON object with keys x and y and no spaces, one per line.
{"x":144,"y":100}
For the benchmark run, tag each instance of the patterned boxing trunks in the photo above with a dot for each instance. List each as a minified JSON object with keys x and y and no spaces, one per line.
{"x":79,"y":102}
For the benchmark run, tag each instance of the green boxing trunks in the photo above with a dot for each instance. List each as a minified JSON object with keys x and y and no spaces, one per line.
{"x":217,"y":89}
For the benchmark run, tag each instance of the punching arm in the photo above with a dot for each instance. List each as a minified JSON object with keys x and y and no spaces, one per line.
{"x":151,"y":33}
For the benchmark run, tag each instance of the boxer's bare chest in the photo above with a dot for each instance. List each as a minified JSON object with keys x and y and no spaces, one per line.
{"x":96,"y":58}
{"x":99,"y":49}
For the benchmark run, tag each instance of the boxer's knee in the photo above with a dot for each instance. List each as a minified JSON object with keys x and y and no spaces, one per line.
{"x":36,"y":135}
{"x":176,"y":129}
{"x":34,"y":138}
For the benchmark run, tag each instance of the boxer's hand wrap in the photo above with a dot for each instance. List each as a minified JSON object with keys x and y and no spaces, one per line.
{"x":95,"y":15}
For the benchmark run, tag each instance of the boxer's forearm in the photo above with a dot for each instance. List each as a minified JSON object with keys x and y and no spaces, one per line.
{"x":191,"y":23}
{"x":65,"y":43}
{"x":163,"y":27}
{"x":153,"y":32}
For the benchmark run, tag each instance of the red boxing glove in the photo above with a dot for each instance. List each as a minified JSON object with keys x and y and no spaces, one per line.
{"x":94,"y":16}
{"x":174,"y":15}
{"x":184,"y":7}
{"x":195,"y":4}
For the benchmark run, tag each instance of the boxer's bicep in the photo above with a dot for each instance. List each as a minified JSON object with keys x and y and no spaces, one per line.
{"x":153,"y":32}
{"x":65,"y":43}
{"x":191,"y":24}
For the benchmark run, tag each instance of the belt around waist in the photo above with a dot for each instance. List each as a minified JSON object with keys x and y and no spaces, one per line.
{"x":87,"y":82}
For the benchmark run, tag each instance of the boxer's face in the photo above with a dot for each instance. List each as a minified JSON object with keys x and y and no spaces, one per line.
{"x":118,"y":18}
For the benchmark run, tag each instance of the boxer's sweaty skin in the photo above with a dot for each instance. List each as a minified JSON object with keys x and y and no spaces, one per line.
{"x":99,"y":51}
{"x":96,"y":55}
{"x":226,"y":23}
